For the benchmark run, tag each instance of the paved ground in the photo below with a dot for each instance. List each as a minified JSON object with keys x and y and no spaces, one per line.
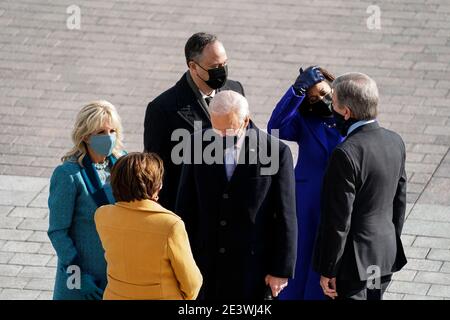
{"x":129,"y":51}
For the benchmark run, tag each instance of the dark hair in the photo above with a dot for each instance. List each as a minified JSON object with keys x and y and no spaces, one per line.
{"x":195,"y":45}
{"x":327,"y":75}
{"x":137,"y":176}
{"x":329,"y":78}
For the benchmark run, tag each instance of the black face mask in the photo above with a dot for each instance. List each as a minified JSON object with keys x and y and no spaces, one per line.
{"x":341,"y":124}
{"x":321,"y":108}
{"x":217,"y":76}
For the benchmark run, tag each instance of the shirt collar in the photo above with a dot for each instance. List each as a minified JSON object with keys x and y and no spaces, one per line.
{"x":205,"y":95}
{"x":358,"y":124}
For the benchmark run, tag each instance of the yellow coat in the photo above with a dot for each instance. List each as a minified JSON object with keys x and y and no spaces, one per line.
{"x":147,"y":253}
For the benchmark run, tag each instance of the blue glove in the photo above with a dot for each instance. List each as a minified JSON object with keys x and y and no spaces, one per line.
{"x":89,"y":288}
{"x":307,"y":79}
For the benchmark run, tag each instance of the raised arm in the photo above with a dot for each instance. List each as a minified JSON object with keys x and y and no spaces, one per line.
{"x":286,"y":118}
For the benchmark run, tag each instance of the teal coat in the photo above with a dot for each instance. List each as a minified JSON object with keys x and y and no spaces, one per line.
{"x":72,"y":230}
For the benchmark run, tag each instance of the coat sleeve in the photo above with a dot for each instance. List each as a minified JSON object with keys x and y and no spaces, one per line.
{"x":61,"y":204}
{"x":400,"y":201}
{"x":285,"y":117}
{"x":156,"y":135}
{"x":242,"y":88}
{"x":338,"y":195}
{"x":183,"y":263}
{"x":284,"y":251}
{"x":186,"y":204}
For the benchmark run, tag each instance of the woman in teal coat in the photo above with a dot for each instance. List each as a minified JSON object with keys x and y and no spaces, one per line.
{"x":77,"y":188}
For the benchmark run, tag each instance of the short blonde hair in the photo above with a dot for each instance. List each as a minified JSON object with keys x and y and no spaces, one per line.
{"x":91,"y":118}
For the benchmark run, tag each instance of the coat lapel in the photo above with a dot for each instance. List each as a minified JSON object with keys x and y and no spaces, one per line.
{"x":93,"y":184}
{"x":190,"y":107}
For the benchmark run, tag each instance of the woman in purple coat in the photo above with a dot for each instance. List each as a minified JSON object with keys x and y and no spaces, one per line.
{"x":304,"y":115}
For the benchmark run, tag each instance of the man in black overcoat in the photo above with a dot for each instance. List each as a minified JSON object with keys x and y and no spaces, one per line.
{"x":239,"y":209}
{"x":185,"y":105}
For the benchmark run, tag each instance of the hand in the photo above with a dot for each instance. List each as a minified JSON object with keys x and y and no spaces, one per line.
{"x":307,"y":79}
{"x":89,"y":288}
{"x":276,"y":284}
{"x":328,"y":286}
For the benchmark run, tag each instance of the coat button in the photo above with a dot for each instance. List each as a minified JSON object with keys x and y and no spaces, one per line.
{"x":225,"y":196}
{"x":222,"y":250}
{"x":223,"y":223}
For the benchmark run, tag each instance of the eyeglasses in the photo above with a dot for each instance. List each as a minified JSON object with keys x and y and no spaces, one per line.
{"x":216,"y":67}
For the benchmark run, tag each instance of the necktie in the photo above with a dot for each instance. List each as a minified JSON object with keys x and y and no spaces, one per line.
{"x":230,"y":161}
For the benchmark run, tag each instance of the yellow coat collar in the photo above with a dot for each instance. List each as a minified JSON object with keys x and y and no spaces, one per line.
{"x":143,"y":205}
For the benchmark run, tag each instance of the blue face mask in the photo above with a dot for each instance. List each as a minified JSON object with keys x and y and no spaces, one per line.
{"x":103,"y":144}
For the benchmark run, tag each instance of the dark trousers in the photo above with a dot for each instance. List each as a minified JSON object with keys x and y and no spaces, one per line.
{"x":357,"y":290}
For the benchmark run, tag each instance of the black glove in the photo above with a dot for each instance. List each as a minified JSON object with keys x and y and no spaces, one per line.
{"x":307,"y":79}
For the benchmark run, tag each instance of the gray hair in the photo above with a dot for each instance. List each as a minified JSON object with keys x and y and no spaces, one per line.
{"x":227,"y":101}
{"x":359,"y":93}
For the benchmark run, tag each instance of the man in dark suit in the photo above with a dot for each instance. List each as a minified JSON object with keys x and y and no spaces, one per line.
{"x":185,"y":105}
{"x":363,"y":198}
{"x":239,"y":210}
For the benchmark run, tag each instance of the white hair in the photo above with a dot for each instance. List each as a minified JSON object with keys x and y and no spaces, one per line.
{"x":228,"y":101}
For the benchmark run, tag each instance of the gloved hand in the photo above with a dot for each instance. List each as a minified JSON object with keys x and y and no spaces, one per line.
{"x":89,"y":288}
{"x":307,"y":79}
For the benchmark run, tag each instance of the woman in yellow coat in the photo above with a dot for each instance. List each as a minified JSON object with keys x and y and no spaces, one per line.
{"x":146,"y":246}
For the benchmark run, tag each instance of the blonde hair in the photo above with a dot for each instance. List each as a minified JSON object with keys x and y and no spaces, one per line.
{"x":91,"y":118}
